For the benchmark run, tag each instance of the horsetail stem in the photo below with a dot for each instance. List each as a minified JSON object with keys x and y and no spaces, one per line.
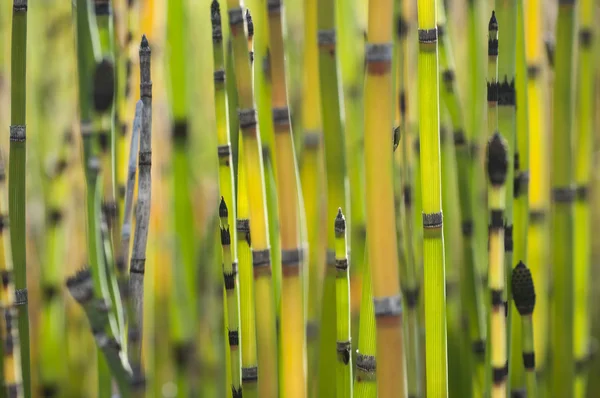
{"x":539,"y":190}
{"x":261,"y":256}
{"x":433,"y":241}
{"x":492,"y":76}
{"x":497,"y":170}
{"x":563,"y":195}
{"x":230,"y":271}
{"x":342,"y":306}
{"x":16,"y":177}
{"x":137,"y":263}
{"x":524,"y":297}
{"x":12,"y":372}
{"x":582,"y":175}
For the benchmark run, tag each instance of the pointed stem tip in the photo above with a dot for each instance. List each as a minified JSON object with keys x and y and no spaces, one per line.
{"x":340,"y":222}
{"x":249,"y":23}
{"x":144,"y":43}
{"x":523,"y":289}
{"x":493,"y":25}
{"x":223,"y":212}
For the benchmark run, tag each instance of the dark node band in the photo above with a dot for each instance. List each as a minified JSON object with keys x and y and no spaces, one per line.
{"x":261,"y":258}
{"x":137,"y":266}
{"x":274,"y":5}
{"x":183,"y":353}
{"x":145,"y":158}
{"x":219,"y":76}
{"x":506,"y":93}
{"x":326,"y":37}
{"x":17,"y":133}
{"x":401,"y":27}
{"x":4,"y":222}
{"x":6,"y":276}
{"x":250,"y":374}
{"x":428,"y":36}
{"x":234,"y":338}
{"x":180,"y":130}
{"x":533,"y":71}
{"x":15,"y":390}
{"x":281,"y":116}
{"x":459,"y":137}
{"x":103,"y":140}
{"x":563,"y":194}
{"x":50,"y":292}
{"x":412,"y":297}
{"x":247,"y":118}
{"x":223,"y":151}
{"x":478,"y":348}
{"x":102,"y":8}
{"x":497,"y":299}
{"x":518,"y":393}
{"x":217,"y":31}
{"x":229,"y":279}
{"x":581,"y":192}
{"x":138,"y":380}
{"x":566,"y":2}
{"x":21,"y":296}
{"x":312,"y":330}
{"x":529,"y":360}
{"x":496,"y":219}
{"x":492,"y":92}
{"x":441,"y":31}
{"x":236,"y":392}
{"x":378,"y":52}
{"x":492,"y":47}
{"x":521,"y":184}
{"x":20,"y":5}
{"x":448,"y":76}
{"x":242,"y":225}
{"x":291,"y":257}
{"x":432,"y":220}
{"x":407,"y":194}
{"x":508,"y":238}
{"x":388,"y":306}
{"x":146,"y":90}
{"x":343,"y":351}
{"x":225,"y":235}
{"x":581,"y":364}
{"x":450,"y":288}
{"x":330,"y":257}
{"x":498,"y":375}
{"x":366,"y":363}
{"x":402,"y":101}
{"x":467,"y":228}
{"x":586,"y":36}
{"x":49,"y":390}
{"x":341,"y":264}
{"x":312,"y":139}
{"x":236,"y":16}
{"x":536,"y":216}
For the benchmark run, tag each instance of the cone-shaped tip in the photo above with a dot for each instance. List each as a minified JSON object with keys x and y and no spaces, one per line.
{"x":493,"y":25}
{"x":340,"y":222}
{"x":104,"y":85}
{"x":144,"y":43}
{"x":214,"y":7}
{"x":497,"y":159}
{"x":523,"y":289}
{"x":223,"y":213}
{"x":249,"y":23}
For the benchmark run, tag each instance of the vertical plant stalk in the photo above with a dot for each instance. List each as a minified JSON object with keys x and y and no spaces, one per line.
{"x":405,"y":221}
{"x":230,"y":276}
{"x":16,"y":177}
{"x":313,"y":188}
{"x":12,"y":372}
{"x":137,"y":263}
{"x":539,"y":189}
{"x":497,"y":170}
{"x":261,"y":253}
{"x":562,"y":204}
{"x":342,"y":306}
{"x":524,"y":297}
{"x":492,"y":76}
{"x":520,"y":194}
{"x":335,"y":167}
{"x":433,"y":241}
{"x":292,"y":297}
{"x":582,"y":173}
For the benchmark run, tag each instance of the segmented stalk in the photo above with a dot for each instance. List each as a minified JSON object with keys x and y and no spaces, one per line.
{"x":562,"y":204}
{"x":12,"y":372}
{"x":16,"y":177}
{"x":292,"y":296}
{"x":497,"y":170}
{"x":433,"y":240}
{"x":492,"y":76}
{"x":137,"y":262}
{"x":582,"y":174}
{"x":261,"y":256}
{"x":524,"y":298}
{"x":342,"y":307}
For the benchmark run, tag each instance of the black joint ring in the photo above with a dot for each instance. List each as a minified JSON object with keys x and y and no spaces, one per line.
{"x":21,"y":296}
{"x":146,"y":90}
{"x":234,"y":338}
{"x":20,"y":5}
{"x":478,"y":348}
{"x":54,"y":216}
{"x":492,"y":47}
{"x":229,"y":279}
{"x":343,"y":351}
{"x":281,"y":116}
{"x":497,"y":299}
{"x":533,"y":71}
{"x":412,"y":297}
{"x":448,"y":76}
{"x":380,"y":52}
{"x":4,"y":222}
{"x":428,"y":36}
{"x":18,"y":133}
{"x":102,"y":9}
{"x":341,"y":264}
{"x":312,"y":330}
{"x":247,"y":118}
{"x":330,"y":257}
{"x":261,"y":258}
{"x":250,"y":374}
{"x":432,"y":220}
{"x":586,"y":37}
{"x":388,"y":306}
{"x":137,"y":266}
{"x":467,"y":228}
{"x":518,"y":393}
{"x":498,"y":375}
{"x":581,"y":192}
{"x":242,"y":225}
{"x":459,"y":137}
{"x":291,"y":257}
{"x":312,"y":139}
{"x":223,"y":151}
{"x":6,"y":277}
{"x":236,"y":16}
{"x":529,"y":360}
{"x":563,"y":194}
{"x":536,"y":216}
{"x":274,"y":6}
{"x":219,"y":76}
{"x":366,"y":363}
{"x":326,"y":37}
{"x":496,"y":219}
{"x":145,"y":158}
